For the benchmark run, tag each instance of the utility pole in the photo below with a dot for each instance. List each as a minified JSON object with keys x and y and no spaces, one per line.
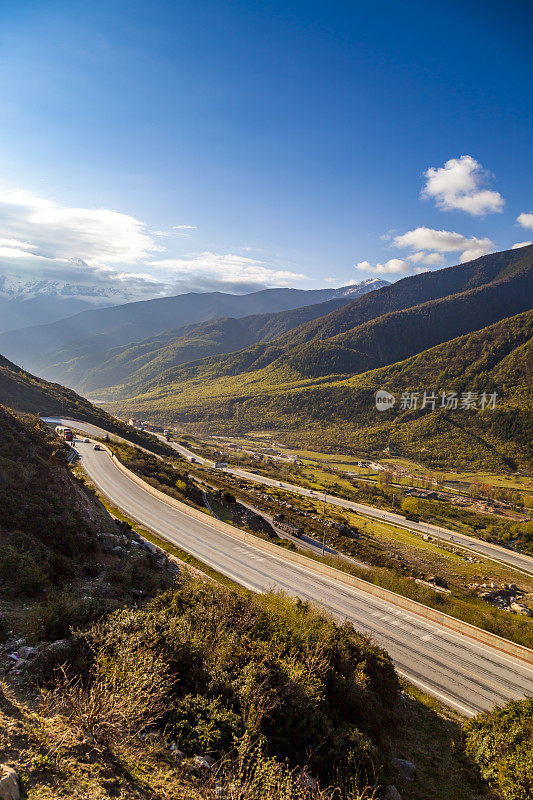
{"x":324,"y":525}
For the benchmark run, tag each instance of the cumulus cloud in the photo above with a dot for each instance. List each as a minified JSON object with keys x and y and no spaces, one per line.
{"x":439,"y":242}
{"x":98,"y":235}
{"x":459,"y":185}
{"x":101,"y":251}
{"x":222,"y":270}
{"x":525,"y":220}
{"x":517,"y":245}
{"x":394,"y":266}
{"x":429,"y":259}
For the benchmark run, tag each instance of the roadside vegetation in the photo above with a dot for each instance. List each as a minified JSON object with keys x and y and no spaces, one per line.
{"x":173,"y":685}
{"x":384,"y":569}
{"x":500,"y":742}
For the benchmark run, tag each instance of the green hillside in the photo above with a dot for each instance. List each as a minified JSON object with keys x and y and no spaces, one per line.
{"x":366,"y":334}
{"x":141,"y":363}
{"x":338,"y":412}
{"x":66,"y":350}
{"x":26,"y":393}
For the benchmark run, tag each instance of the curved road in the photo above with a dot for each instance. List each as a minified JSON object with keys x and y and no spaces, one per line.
{"x":462,"y":673}
{"x":510,"y":558}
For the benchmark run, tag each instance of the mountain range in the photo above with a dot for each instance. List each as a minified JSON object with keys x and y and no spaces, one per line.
{"x":24,"y":303}
{"x":67,"y":349}
{"x":310,"y":372}
{"x":312,"y":383}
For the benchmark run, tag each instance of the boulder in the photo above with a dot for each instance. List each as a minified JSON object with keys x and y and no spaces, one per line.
{"x":58,"y":645}
{"x":308,"y":782}
{"x":9,"y":787}
{"x":405,"y":767}
{"x":203,"y":762}
{"x":392,"y":793}
{"x":27,"y":652}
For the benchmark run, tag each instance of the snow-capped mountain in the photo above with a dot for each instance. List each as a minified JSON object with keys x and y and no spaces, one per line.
{"x":357,"y":289}
{"x":25,"y":303}
{"x":34,"y":302}
{"x":15,"y":289}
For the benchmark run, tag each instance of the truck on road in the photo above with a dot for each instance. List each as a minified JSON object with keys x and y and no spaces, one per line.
{"x":64,"y":433}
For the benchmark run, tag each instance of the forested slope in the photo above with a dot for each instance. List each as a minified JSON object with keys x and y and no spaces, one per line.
{"x":380,"y":328}
{"x":139,"y":363}
{"x":340,"y":413}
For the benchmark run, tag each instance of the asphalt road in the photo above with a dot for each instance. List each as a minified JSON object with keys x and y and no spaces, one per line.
{"x":465,"y":675}
{"x":519,"y":561}
{"x":486,"y":549}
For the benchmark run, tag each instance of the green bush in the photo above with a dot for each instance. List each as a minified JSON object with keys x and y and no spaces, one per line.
{"x":55,"y":618}
{"x":203,"y":725}
{"x":501,"y":744}
{"x":314,"y":692}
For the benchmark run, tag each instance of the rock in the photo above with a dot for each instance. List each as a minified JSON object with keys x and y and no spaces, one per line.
{"x":308,"y":782}
{"x":520,"y":609}
{"x":9,"y":787}
{"x":28,"y":652}
{"x":204,"y":762}
{"x":59,"y":644}
{"x":406,"y":768}
{"x":392,"y":793}
{"x":150,"y":547}
{"x":178,"y":754}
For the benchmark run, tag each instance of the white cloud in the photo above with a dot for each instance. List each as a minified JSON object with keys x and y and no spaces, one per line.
{"x":458,"y":185}
{"x":430,"y":259}
{"x":17,"y":244}
{"x":394,"y":266}
{"x":224,"y":270}
{"x":184,"y":230}
{"x":525,"y":220}
{"x":97,"y":235}
{"x":517,"y":245}
{"x":100,"y":250}
{"x":428,"y":239}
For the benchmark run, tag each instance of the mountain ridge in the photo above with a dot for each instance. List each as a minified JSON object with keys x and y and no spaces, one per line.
{"x":338,"y":413}
{"x":90,"y":334}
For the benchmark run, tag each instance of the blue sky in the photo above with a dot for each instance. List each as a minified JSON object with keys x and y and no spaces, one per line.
{"x":175,"y":145}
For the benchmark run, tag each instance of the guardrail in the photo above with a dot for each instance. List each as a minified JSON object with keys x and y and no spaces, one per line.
{"x":450,"y":623}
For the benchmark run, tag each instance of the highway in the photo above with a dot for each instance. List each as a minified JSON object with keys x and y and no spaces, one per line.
{"x":464,"y":674}
{"x":518,"y":561}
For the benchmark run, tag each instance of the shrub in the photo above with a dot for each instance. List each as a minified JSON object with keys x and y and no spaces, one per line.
{"x":312,"y":691}
{"x":55,"y":618}
{"x":501,"y":744}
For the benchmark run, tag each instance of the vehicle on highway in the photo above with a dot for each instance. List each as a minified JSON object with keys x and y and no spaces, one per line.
{"x":86,"y":441}
{"x":97,"y":447}
{"x":221,"y":465}
{"x":64,"y":433}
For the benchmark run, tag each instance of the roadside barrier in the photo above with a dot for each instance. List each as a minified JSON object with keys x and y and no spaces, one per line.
{"x":450,"y":623}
